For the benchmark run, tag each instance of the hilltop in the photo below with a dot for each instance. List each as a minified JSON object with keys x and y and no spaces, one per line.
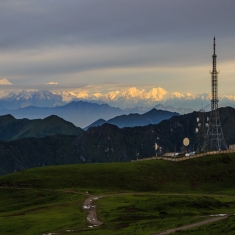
{"x":12,"y":128}
{"x":210,"y":174}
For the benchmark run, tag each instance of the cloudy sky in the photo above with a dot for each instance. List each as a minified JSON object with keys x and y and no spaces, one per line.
{"x":113,"y":44}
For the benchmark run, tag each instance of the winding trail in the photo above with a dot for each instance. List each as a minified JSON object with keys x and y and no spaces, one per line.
{"x":169,"y":231}
{"x":92,"y":212}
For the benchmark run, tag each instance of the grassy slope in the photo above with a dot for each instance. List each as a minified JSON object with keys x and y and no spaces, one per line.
{"x":36,"y":211}
{"x":151,"y":214}
{"x":222,"y":227}
{"x":210,"y":174}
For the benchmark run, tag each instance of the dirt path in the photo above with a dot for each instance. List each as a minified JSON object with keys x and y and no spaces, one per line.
{"x":92,"y":212}
{"x":169,"y":231}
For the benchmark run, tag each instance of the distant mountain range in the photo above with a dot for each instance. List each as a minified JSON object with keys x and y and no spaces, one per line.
{"x":108,"y":143}
{"x":21,"y":99}
{"x":129,"y":98}
{"x":152,"y":117}
{"x":173,"y":109}
{"x":12,"y":129}
{"x":34,"y":104}
{"x":79,"y":113}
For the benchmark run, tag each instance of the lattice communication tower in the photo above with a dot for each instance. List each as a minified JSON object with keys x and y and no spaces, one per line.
{"x":214,"y":137}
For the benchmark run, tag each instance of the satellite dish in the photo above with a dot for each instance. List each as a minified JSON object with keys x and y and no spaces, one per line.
{"x":196,"y":130}
{"x":198,"y":119}
{"x":186,"y":141}
{"x":156,"y":146}
{"x":206,"y":125}
{"x":199,"y":124}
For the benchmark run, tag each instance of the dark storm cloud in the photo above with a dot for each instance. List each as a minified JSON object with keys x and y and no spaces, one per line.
{"x":28,"y":23}
{"x":60,"y":40}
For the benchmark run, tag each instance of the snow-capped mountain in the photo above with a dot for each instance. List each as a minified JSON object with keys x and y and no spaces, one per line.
{"x":21,"y":99}
{"x":134,"y":97}
{"x":188,"y":100}
{"x":125,"y":99}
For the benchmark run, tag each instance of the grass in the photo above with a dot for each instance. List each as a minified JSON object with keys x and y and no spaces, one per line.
{"x":35,"y":211}
{"x":149,"y":214}
{"x":161,"y":195}
{"x":123,"y":214}
{"x":225,"y":227}
{"x":210,"y":174}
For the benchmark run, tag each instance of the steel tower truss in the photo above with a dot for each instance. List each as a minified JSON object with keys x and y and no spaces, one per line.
{"x":214,"y":138}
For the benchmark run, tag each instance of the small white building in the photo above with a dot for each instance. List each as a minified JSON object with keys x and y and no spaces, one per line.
{"x":232,"y":147}
{"x":171,"y":154}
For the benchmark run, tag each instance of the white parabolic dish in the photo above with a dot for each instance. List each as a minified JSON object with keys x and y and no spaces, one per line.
{"x":186,"y":141}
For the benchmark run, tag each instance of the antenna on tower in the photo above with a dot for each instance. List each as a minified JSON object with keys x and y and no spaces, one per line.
{"x":214,"y":45}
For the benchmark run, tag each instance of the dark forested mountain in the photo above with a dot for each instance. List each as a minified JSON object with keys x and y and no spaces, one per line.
{"x":134,"y":119}
{"x":11,"y":128}
{"x":108,"y":143}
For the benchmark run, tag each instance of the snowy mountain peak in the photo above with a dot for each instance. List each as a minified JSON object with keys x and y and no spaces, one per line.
{"x":156,"y":93}
{"x":132,"y":92}
{"x":176,"y":95}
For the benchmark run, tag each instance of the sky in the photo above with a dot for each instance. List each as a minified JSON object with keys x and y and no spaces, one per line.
{"x":107,"y":45}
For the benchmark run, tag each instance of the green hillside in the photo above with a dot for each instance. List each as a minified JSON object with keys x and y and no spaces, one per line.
{"x":161,"y":195}
{"x":12,"y":129}
{"x":211,"y":174}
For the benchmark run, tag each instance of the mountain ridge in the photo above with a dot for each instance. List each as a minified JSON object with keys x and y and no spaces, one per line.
{"x":80,"y":113}
{"x":134,"y":119}
{"x":12,"y":128}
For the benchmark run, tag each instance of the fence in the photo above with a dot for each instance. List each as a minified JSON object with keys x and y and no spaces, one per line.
{"x":183,"y":158}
